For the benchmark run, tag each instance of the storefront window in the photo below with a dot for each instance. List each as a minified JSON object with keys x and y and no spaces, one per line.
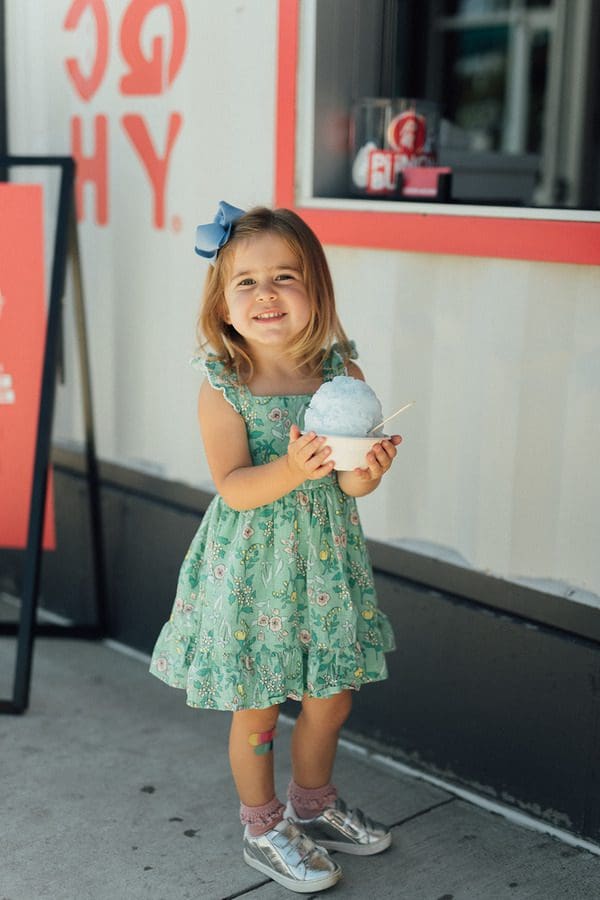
{"x":515,"y":83}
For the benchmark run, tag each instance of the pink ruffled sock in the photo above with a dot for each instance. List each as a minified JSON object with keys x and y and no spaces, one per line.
{"x":309,"y":802}
{"x":260,"y":819}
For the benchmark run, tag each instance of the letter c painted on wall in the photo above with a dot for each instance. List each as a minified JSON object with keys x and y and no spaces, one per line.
{"x":86,"y":86}
{"x":146,"y":76}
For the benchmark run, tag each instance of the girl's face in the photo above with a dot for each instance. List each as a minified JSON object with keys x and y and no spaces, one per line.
{"x":265,"y":296}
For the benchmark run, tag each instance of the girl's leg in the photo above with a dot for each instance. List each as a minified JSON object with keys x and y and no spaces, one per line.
{"x":272,"y":845}
{"x":315,"y":738}
{"x":252,"y":771}
{"x":251,"y":759}
{"x":313,"y":800}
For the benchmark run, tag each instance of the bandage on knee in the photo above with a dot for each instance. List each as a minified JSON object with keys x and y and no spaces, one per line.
{"x":262,"y":741}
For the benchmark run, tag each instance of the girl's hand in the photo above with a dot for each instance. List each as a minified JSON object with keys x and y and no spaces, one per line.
{"x":306,"y":456}
{"x":379,"y":459}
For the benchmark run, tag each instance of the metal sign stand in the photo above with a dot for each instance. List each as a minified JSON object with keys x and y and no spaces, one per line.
{"x":65,"y":247}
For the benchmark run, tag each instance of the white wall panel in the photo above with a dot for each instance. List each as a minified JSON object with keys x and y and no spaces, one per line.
{"x":499,"y":467}
{"x":143,"y":284}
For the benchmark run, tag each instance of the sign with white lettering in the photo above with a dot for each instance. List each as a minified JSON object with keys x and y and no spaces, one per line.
{"x":22,"y":333}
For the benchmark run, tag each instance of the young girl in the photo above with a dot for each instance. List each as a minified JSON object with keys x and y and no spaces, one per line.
{"x":275,"y":597}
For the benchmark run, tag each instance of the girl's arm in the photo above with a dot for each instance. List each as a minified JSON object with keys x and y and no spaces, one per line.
{"x":360,"y":482}
{"x":241,"y":484}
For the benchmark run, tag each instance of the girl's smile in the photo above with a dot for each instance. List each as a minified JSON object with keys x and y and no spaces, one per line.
{"x":272,"y":314}
{"x":267,"y":302}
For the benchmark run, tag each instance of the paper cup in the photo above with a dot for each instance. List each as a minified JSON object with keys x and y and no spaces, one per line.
{"x":350,"y":452}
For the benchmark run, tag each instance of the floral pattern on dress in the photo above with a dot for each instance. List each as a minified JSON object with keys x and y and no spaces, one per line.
{"x":274,"y":602}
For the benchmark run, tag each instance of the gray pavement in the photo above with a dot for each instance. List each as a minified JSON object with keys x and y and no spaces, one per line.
{"x":112,"y":789}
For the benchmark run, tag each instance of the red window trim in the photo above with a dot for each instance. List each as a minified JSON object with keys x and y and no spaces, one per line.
{"x":532,"y":239}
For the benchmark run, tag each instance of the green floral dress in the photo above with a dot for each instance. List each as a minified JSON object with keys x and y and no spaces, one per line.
{"x":277,"y":601}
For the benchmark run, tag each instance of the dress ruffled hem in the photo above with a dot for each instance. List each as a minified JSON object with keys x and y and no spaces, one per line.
{"x":226,"y":681}
{"x":275,"y":700}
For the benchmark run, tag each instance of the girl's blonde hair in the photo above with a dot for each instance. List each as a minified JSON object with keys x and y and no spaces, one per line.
{"x":323,"y":328}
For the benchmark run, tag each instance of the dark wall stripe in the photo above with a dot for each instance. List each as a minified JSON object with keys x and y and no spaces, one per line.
{"x":537,"y":606}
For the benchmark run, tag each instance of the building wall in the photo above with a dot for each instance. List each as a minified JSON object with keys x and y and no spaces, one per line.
{"x":503,"y":357}
{"x":498,"y":470}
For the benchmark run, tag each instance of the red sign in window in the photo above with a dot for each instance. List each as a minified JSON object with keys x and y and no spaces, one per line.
{"x":22,"y":335}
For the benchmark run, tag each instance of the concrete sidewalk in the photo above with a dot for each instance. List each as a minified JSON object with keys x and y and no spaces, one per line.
{"x":112,"y":789}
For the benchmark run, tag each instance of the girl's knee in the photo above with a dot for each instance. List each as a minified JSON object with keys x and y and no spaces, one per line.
{"x":256,"y":720}
{"x":329,"y":713}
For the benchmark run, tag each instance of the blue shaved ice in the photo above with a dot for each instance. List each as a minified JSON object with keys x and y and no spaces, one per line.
{"x":343,"y":406}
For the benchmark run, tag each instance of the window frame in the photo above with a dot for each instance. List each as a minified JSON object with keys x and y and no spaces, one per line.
{"x":543,"y":235}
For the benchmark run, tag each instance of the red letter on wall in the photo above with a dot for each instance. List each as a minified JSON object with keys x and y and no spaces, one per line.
{"x":86,"y":87}
{"x":156,"y":166}
{"x":91,"y":168}
{"x":147,"y":76}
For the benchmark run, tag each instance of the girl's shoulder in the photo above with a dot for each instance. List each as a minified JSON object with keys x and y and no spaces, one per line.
{"x":213,"y":366}
{"x":220,"y":376}
{"x":336,"y":359}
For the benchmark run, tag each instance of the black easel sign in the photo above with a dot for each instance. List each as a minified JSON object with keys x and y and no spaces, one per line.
{"x":66,"y":247}
{"x":22,"y":335}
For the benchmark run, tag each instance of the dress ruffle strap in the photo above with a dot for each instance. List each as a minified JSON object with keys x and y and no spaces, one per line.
{"x":220,"y":377}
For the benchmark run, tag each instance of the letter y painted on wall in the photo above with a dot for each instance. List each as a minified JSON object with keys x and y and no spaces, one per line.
{"x":156,"y":166}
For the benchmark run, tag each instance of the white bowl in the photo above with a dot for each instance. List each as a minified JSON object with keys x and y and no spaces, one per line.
{"x":350,"y":452}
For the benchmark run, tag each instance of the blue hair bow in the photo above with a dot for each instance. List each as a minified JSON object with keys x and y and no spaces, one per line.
{"x":210,"y":238}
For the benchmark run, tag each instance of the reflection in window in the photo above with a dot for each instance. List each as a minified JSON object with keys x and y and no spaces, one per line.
{"x":472,"y":7}
{"x":475,"y":65}
{"x":515,"y":78}
{"x":515,"y":82}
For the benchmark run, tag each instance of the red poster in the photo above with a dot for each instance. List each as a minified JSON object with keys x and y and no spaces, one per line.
{"x":22,"y":334}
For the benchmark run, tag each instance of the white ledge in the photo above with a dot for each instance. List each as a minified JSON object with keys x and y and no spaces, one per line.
{"x":450,"y":209}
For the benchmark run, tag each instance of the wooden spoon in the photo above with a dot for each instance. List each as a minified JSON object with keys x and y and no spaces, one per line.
{"x":393,"y":416}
